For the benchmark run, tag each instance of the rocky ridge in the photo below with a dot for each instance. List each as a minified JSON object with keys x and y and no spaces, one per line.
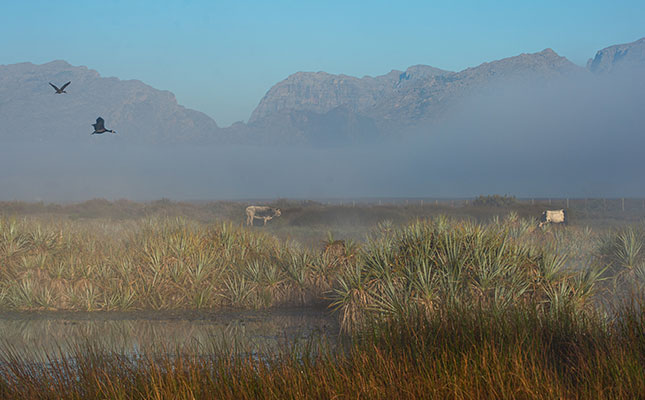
{"x":621,"y":57}
{"x":29,"y":109}
{"x":315,"y":108}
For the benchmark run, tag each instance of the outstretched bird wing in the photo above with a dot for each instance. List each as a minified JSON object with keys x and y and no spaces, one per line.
{"x":54,"y":86}
{"x":99,"y":125}
{"x":65,"y":85}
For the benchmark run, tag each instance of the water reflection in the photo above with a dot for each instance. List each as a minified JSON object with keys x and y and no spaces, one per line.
{"x":34,"y":335}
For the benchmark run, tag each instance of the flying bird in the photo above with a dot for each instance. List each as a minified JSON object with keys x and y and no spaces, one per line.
{"x":99,"y":127}
{"x":62,"y":89}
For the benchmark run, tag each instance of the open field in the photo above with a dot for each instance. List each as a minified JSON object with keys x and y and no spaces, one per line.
{"x":434,"y":300}
{"x":309,"y":221}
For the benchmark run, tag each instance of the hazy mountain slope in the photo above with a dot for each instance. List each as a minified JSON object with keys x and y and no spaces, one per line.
{"x":315,"y":108}
{"x":619,"y":58}
{"x":432,"y":96}
{"x":29,"y":109}
{"x":321,"y":92}
{"x":378,"y":106}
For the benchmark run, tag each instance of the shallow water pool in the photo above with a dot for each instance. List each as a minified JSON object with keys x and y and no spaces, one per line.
{"x":35,"y":335}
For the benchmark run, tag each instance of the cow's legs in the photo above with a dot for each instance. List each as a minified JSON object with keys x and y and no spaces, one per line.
{"x":265,"y":221}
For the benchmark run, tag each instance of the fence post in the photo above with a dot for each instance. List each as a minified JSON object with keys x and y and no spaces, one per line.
{"x":421,"y":202}
{"x":567,"y":202}
{"x":549,"y":201}
{"x":623,"y":203}
{"x":353,"y":203}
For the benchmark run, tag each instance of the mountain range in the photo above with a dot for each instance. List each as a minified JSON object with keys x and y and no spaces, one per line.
{"x":313,"y":108}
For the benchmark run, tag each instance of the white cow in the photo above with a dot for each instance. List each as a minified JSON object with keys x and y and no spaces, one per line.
{"x":261,"y":212}
{"x":553,"y":216}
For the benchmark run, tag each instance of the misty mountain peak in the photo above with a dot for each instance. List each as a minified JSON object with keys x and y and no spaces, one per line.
{"x":545,"y":61}
{"x":423,"y":72}
{"x":139,"y":112}
{"x":306,"y":107}
{"x":628,"y":56}
{"x":57,"y":64}
{"x":398,"y":98}
{"x":321,"y":92}
{"x":549,"y":52}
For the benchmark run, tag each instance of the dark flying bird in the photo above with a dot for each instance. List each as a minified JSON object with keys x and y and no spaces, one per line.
{"x":99,"y":127}
{"x":62,"y":89}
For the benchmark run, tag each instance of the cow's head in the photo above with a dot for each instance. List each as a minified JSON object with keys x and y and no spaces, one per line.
{"x":278,"y":212}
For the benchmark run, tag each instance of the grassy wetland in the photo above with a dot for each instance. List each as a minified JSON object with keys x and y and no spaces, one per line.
{"x":433,"y":301}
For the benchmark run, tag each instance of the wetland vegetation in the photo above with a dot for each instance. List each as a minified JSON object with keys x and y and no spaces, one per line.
{"x":434,"y":300}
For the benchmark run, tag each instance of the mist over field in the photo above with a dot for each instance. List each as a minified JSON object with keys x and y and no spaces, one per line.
{"x":571,"y":137}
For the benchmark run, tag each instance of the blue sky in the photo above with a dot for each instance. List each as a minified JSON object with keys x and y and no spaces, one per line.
{"x":221,"y":57}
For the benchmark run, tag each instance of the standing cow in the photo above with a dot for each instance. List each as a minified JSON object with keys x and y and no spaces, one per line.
{"x":261,"y":212}
{"x":553,"y":217}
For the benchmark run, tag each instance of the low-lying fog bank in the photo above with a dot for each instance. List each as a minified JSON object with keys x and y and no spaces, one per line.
{"x":569,"y":139}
